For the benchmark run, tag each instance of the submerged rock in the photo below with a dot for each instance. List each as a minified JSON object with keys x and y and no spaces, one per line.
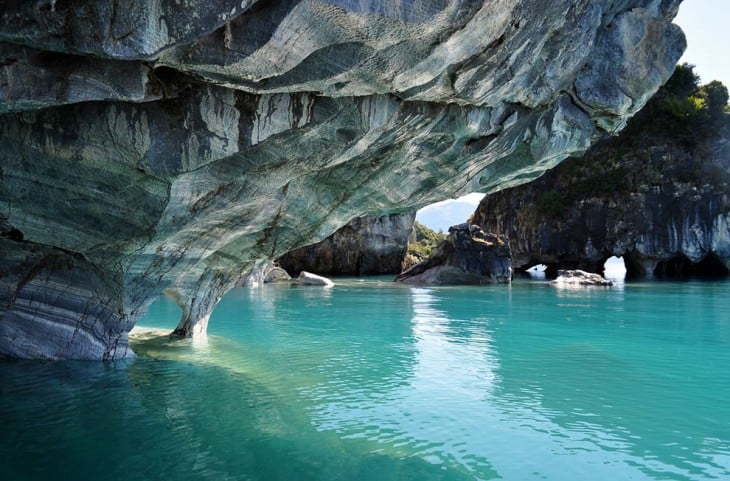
{"x":176,"y":147}
{"x":578,"y":278}
{"x":308,"y":279}
{"x":467,"y":256}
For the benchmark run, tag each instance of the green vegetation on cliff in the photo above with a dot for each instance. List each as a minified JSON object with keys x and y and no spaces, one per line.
{"x":682,"y":108}
{"x":682,"y":116}
{"x":656,"y":194}
{"x":421,"y":244}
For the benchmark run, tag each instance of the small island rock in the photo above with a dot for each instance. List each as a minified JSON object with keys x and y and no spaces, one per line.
{"x":579,"y":278}
{"x":308,"y":279}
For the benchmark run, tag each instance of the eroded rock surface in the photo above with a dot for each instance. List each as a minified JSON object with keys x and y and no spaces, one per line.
{"x":308,"y":279}
{"x":577,"y":278}
{"x":160,"y":146}
{"x":661,"y":203}
{"x":468,"y":255}
{"x":365,"y":246}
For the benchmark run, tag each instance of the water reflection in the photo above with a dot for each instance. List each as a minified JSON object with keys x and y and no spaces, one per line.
{"x":479,"y":379}
{"x":609,"y":381}
{"x":393,"y":382}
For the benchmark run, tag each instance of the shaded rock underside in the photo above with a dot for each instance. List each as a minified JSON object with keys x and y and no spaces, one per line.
{"x":177,"y":145}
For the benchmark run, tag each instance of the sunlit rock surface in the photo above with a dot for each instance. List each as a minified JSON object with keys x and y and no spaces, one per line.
{"x":308,"y":279}
{"x":468,"y":255}
{"x":575,"y":279}
{"x":177,"y":145}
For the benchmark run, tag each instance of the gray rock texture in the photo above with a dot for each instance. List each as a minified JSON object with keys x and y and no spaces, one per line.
{"x":365,"y":246}
{"x":175,"y":146}
{"x":572,"y":279}
{"x":308,"y":279}
{"x":659,"y":202}
{"x":276,"y":274}
{"x":467,"y":256}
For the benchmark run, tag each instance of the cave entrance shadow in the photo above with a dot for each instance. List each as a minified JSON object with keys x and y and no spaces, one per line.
{"x":680,"y":267}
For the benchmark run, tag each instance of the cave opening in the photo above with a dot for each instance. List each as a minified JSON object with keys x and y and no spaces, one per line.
{"x":164,"y":313}
{"x":615,"y":268}
{"x":441,"y":215}
{"x":680,"y":266}
{"x":537,"y":271}
{"x":635,"y":269}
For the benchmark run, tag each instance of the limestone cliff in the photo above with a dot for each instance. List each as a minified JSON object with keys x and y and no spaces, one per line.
{"x":174,"y":146}
{"x":365,"y":246}
{"x":658,"y":195}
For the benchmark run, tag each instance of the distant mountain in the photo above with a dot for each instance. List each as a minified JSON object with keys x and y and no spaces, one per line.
{"x":442,"y":215}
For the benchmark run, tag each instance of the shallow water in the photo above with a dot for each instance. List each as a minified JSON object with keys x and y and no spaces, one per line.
{"x":376,"y":381}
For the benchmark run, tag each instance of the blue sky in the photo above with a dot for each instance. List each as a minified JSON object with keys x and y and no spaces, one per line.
{"x":706,"y":23}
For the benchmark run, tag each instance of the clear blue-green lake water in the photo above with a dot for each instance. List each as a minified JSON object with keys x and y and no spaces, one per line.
{"x":376,"y":381}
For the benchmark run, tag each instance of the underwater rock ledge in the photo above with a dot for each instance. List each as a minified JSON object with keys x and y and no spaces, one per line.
{"x":158,"y":148}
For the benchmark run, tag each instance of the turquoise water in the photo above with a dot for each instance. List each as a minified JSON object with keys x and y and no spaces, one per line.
{"x":376,"y":381}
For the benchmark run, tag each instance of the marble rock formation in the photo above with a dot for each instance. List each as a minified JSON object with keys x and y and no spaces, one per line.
{"x":660,"y":203}
{"x":276,"y":274}
{"x":468,"y":255}
{"x":365,"y":246}
{"x":308,"y":279}
{"x":578,"y":278}
{"x":174,"y":146}
{"x":264,"y":273}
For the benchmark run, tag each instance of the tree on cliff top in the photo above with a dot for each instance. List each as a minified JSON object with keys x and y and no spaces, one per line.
{"x":716,"y":96}
{"x":683,"y":108}
{"x":421,"y":243}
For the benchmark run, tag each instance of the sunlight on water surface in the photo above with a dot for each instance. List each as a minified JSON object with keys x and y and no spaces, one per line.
{"x":372,"y":380}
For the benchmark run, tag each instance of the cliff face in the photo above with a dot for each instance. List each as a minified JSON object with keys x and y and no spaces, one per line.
{"x":177,"y":145}
{"x":658,"y":201}
{"x":467,"y":256}
{"x":365,"y":246}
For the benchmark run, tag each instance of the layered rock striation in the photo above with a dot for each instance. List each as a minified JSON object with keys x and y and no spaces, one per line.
{"x":159,"y":146}
{"x":365,"y":246}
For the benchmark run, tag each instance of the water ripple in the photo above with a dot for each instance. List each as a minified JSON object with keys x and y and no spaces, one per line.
{"x":375,"y":381}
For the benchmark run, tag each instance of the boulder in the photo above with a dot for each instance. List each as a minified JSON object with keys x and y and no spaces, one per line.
{"x":467,"y":256}
{"x":276,"y":274}
{"x":578,"y":278}
{"x":308,"y":279}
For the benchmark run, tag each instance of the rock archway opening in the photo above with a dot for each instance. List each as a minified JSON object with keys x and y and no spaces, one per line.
{"x":537,"y":271}
{"x":615,"y":268}
{"x":442,"y":215}
{"x":164,"y":314}
{"x":711,"y":266}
